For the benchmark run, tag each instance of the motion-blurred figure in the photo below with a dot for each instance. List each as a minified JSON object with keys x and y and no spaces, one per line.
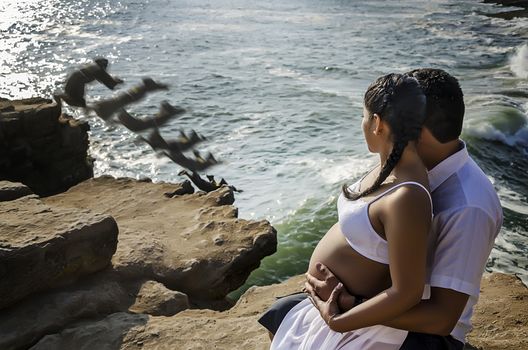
{"x":107,"y":108}
{"x":74,"y":90}
{"x":197,"y":164}
{"x":204,"y":185}
{"x":181,"y":144}
{"x":166,"y":112}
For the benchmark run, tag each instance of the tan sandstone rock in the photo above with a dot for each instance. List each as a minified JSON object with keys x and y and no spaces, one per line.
{"x":502,"y":305}
{"x":155,"y":299}
{"x":43,"y":246}
{"x":191,"y":243}
{"x":190,"y":240}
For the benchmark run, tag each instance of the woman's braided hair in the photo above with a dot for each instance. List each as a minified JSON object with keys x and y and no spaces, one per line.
{"x":398,"y":100}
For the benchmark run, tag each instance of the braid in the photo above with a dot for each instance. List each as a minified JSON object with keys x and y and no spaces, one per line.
{"x":385,"y":171}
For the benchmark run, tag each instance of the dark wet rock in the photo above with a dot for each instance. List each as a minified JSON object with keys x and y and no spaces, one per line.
{"x":41,"y":148}
{"x":508,"y":15}
{"x":516,"y":3}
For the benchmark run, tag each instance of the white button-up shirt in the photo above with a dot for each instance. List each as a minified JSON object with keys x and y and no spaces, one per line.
{"x":467,"y":218}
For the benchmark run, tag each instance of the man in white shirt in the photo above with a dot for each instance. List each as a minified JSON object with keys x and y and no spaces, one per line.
{"x":468,"y":217}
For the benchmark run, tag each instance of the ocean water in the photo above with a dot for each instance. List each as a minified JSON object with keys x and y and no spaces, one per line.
{"x":277,"y":88}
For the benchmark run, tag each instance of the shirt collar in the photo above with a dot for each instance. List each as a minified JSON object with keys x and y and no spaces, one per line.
{"x":447,"y":167}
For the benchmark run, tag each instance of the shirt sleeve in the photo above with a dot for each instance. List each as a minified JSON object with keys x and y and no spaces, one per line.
{"x":464,"y":241}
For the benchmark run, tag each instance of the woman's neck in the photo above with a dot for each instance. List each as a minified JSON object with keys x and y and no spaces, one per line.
{"x":408,"y":160}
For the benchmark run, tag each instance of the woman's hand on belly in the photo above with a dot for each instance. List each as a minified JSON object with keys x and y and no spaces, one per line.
{"x":328,"y":309}
{"x":323,"y":287}
{"x":326,"y":281}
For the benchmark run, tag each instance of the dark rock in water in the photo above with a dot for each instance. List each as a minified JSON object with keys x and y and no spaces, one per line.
{"x":12,"y":190}
{"x":43,"y":246}
{"x":508,"y":15}
{"x":42,"y":148}
{"x":517,"y":3}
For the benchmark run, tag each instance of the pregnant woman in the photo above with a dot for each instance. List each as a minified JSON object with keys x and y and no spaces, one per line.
{"x":378,"y":247}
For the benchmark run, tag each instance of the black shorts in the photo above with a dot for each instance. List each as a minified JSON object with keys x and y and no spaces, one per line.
{"x":272,"y":318}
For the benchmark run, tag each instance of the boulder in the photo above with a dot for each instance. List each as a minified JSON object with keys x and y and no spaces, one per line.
{"x":193,"y":243}
{"x":13,"y":190}
{"x":155,"y":299}
{"x":44,"y":246}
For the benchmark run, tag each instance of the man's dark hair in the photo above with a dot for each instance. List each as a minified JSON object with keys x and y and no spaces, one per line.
{"x":445,"y":103}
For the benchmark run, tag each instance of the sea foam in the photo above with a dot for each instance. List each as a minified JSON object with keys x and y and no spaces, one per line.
{"x":519,"y":62}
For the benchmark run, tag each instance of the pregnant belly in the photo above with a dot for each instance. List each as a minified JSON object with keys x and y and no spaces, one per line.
{"x":361,"y":276}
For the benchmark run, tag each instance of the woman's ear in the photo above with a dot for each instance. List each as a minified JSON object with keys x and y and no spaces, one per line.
{"x":377,"y":124}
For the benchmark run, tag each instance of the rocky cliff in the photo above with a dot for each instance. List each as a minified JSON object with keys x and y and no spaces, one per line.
{"x":41,"y":147}
{"x":177,"y":250}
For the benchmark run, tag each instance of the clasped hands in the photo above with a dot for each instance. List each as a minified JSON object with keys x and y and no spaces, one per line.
{"x":328,"y":294}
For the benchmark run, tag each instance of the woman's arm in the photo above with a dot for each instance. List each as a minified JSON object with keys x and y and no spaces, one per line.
{"x":406,"y":220}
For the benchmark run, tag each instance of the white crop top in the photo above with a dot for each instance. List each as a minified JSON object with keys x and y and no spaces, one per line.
{"x":356,"y":226}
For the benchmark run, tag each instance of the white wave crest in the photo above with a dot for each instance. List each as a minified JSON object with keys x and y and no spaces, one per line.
{"x":488,"y":132}
{"x":519,"y":62}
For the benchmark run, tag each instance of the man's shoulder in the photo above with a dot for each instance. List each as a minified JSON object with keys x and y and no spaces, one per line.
{"x":468,"y":188}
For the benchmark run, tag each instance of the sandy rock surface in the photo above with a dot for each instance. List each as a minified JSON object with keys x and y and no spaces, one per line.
{"x":500,"y":322}
{"x":191,"y":329}
{"x":44,"y":246}
{"x":191,"y":243}
{"x":500,"y":319}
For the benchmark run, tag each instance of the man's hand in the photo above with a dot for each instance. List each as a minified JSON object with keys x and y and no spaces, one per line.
{"x":323,"y":288}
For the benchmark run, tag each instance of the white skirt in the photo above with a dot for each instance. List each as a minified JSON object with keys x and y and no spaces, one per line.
{"x":303,"y":328}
